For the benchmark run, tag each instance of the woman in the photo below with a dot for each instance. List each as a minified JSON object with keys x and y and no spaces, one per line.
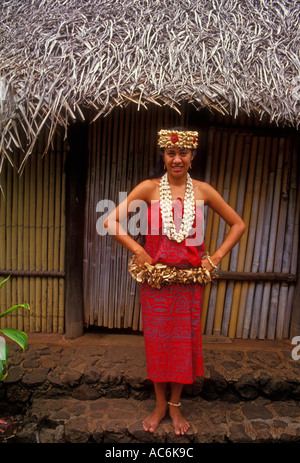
{"x":171,"y":313}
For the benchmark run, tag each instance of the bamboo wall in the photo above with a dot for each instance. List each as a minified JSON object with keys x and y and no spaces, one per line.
{"x":258,"y":176}
{"x":122,"y":153}
{"x":32,"y":240}
{"x":254,"y":169}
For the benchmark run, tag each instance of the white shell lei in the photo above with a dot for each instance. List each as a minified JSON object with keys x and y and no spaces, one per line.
{"x":167,"y":212}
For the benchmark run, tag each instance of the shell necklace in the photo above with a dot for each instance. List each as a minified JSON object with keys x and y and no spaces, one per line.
{"x":167,"y":212}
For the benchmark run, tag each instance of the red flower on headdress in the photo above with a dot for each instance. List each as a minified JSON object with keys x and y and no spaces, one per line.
{"x":194,"y":140}
{"x":174,"y":138}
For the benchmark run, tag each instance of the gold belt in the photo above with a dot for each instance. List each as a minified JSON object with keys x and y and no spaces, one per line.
{"x":159,"y":275}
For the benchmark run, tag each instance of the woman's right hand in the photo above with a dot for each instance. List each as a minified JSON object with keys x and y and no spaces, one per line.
{"x":142,"y":257}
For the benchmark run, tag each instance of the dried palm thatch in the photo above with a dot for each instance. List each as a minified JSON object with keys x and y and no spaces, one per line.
{"x":58,"y":57}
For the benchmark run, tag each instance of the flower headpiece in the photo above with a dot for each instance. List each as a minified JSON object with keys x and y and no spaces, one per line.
{"x":177,"y":139}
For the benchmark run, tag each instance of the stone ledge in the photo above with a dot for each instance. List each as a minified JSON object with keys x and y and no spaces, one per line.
{"x":104,"y":420}
{"x":91,"y":372}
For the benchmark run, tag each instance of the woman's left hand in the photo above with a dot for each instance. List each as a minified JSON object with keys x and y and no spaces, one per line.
{"x":205,"y":263}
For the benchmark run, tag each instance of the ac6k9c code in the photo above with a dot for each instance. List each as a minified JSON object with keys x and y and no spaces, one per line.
{"x":171,"y":452}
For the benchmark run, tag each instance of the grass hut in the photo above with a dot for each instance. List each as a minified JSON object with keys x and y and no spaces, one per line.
{"x":84,"y":86}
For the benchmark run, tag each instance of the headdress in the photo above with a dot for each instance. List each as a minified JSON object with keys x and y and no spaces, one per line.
{"x":177,"y":139}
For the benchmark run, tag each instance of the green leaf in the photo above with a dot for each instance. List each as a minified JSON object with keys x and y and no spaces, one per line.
{"x":3,"y":281}
{"x":18,"y":336}
{"x":3,"y":369}
{"x":3,"y":362}
{"x":15,"y":307}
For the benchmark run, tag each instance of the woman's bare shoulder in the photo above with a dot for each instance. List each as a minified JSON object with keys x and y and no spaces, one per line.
{"x":146,"y":190}
{"x":202,"y":189}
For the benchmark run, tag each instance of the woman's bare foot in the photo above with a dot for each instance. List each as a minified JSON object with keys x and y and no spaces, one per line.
{"x":179,"y":422}
{"x":152,"y":421}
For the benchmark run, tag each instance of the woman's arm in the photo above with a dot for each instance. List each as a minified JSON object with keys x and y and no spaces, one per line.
{"x":142,"y":192}
{"x":237,"y":227}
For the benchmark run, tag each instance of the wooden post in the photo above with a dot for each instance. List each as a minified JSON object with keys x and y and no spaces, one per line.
{"x":76,"y":170}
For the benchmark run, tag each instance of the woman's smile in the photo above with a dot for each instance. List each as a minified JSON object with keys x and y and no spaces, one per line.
{"x":177,"y":168}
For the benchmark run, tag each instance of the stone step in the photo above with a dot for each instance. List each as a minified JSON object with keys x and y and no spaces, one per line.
{"x":91,"y":372}
{"x":70,"y":420}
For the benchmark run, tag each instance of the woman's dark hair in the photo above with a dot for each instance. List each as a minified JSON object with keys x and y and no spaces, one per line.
{"x":159,"y":170}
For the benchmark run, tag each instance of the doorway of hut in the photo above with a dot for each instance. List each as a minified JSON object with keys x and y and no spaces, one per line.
{"x":254,"y":164}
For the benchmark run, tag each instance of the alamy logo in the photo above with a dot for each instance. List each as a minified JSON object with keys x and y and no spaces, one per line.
{"x":296,"y":350}
{"x":137,"y":223}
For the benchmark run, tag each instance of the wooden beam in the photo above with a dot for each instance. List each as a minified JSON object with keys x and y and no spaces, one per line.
{"x":76,"y":171}
{"x":253,"y":276}
{"x":33,"y":273}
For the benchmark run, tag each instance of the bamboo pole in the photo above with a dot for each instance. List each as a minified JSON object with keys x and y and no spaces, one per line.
{"x":271,"y":242}
{"x":131,"y":284}
{"x":118,"y":310}
{"x":257,"y":151}
{"x":142,"y":172}
{"x":136,"y":175}
{"x":289,"y":183}
{"x":61,"y":320}
{"x":26,"y":247}
{"x":8,"y":265}
{"x":257,"y":160}
{"x":113,"y":245}
{"x":32,"y":238}
{"x":14,"y":244}
{"x":264,"y":230}
{"x":19,"y":265}
{"x":104,"y":253}
{"x":45,"y":241}
{"x":124,"y":286}
{"x":237,"y":253}
{"x":50,"y":261}
{"x":91,"y":239}
{"x":255,"y":170}
{"x":56,"y":243}
{"x":294,"y":257}
{"x":3,"y":250}
{"x":86,"y":300}
{"x":207,"y":224}
{"x":207,"y":177}
{"x":214,"y":232}
{"x":209,"y":227}
{"x":215,"y":311}
{"x":257,"y":233}
{"x":281,"y":228}
{"x":38,"y":224}
{"x":96,"y":258}
{"x":103,"y":256}
{"x":229,"y":195}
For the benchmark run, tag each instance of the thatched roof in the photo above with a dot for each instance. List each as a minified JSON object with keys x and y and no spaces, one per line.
{"x":60,"y":56}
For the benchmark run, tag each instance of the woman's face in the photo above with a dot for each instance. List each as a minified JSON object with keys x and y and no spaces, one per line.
{"x":177,"y":160}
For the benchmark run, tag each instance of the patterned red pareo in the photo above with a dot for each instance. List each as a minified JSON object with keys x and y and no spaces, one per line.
{"x":171,"y":315}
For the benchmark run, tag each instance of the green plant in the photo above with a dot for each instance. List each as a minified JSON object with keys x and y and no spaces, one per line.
{"x":16,"y":335}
